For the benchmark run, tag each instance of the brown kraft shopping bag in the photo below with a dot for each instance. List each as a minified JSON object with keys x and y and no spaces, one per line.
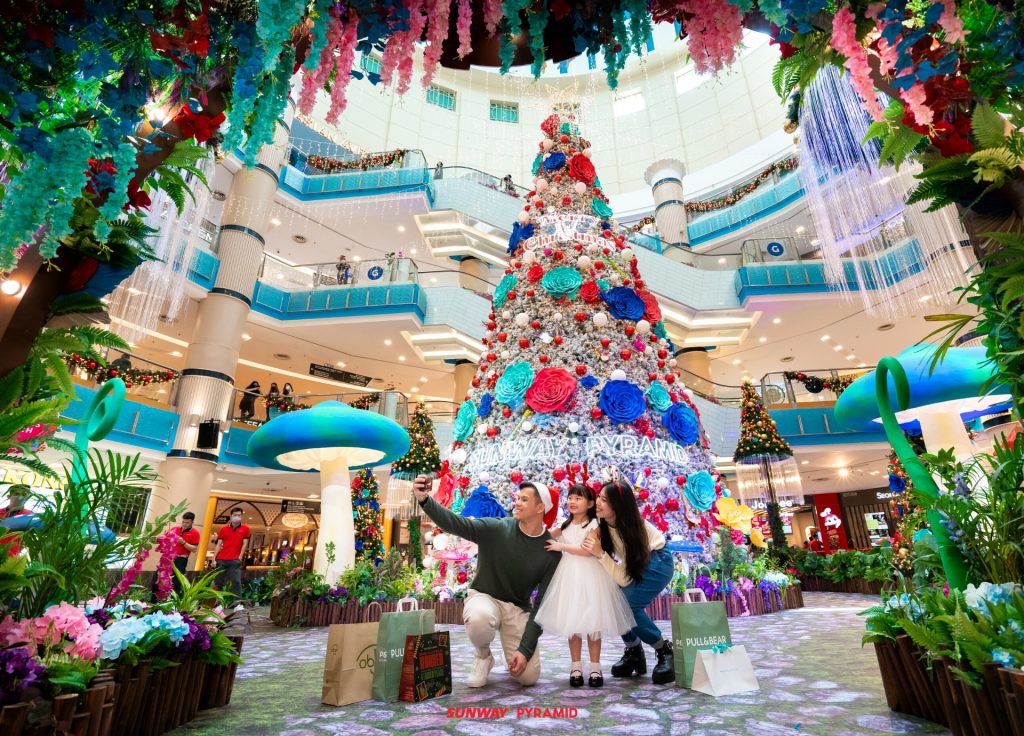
{"x":351,"y":655}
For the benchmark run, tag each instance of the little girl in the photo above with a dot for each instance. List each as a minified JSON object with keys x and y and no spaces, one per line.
{"x":582,"y":599}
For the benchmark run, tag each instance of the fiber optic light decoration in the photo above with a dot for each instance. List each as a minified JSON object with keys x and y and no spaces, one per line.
{"x":332,"y":438}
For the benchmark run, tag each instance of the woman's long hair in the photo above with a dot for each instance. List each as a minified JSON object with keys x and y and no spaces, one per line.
{"x":579,"y":489}
{"x":630,"y":527}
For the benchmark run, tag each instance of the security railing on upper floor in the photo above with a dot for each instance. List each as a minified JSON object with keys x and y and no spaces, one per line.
{"x":797,"y":388}
{"x":333,"y":275}
{"x":300,"y":160}
{"x":146,"y":379}
{"x":255,"y":408}
{"x":412,"y":174}
{"x":467,"y":173}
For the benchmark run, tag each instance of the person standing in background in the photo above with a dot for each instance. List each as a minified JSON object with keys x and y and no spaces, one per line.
{"x":247,"y":406}
{"x":232,"y":544}
{"x":273,"y":394}
{"x":16,"y":497}
{"x":188,"y":542}
{"x":439,"y":171}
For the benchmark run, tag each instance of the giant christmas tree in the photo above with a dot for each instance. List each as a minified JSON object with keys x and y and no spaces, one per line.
{"x":577,"y":372}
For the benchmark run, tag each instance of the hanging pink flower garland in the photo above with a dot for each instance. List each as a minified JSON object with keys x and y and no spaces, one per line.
{"x":713,"y":30}
{"x":314,"y":79}
{"x":438,"y":12}
{"x":463,"y":25}
{"x":400,"y":51}
{"x":492,"y":15}
{"x":346,"y":58}
{"x":844,"y":40}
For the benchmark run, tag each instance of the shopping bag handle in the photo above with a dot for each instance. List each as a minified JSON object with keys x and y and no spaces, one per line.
{"x":694,"y":591}
{"x":366,"y":611}
{"x":414,"y":604}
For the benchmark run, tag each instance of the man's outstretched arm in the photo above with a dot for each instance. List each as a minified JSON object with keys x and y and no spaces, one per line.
{"x":471,"y":529}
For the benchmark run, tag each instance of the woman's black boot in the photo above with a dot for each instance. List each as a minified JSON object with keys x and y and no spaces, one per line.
{"x":631,"y":663}
{"x":665,"y":670}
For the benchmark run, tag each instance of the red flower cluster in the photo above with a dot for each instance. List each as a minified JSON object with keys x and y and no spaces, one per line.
{"x":582,"y":169}
{"x":550,"y":125}
{"x":652,"y":312}
{"x":590,"y":292}
{"x":137,"y":198}
{"x":551,"y":390}
{"x":101,"y":174}
{"x":196,"y":125}
{"x":535,"y":274}
{"x":952,"y":138}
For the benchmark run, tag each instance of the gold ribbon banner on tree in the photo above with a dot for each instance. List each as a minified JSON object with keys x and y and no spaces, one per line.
{"x":717,"y":203}
{"x":363,"y":163}
{"x":131,"y":376}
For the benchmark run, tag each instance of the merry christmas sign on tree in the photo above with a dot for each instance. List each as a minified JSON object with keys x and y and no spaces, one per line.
{"x":577,"y":370}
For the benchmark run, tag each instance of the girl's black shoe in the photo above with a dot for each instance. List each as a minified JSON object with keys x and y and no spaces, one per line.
{"x":576,"y":678}
{"x":596,"y":679}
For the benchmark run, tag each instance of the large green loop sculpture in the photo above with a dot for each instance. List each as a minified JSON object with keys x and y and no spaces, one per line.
{"x":952,"y":560}
{"x":98,"y":421}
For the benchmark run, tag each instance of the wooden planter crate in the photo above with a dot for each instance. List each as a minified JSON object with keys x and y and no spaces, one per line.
{"x":132,"y":701}
{"x":815,"y":584}
{"x":294,"y":612}
{"x":936,"y":694}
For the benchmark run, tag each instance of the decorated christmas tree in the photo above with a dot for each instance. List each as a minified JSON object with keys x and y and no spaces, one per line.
{"x":368,"y":518}
{"x":764,"y":461}
{"x":424,"y":456}
{"x":577,"y":371}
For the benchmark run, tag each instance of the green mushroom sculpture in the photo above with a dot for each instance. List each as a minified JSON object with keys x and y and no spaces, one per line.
{"x":332,"y":438}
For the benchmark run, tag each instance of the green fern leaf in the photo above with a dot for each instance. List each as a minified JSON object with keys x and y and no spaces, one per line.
{"x":80,"y":303}
{"x":988,"y":126}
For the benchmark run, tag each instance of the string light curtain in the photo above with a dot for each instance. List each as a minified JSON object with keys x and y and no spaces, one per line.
{"x":894,"y":256}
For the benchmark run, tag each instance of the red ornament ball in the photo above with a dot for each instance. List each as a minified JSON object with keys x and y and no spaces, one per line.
{"x":662,"y":353}
{"x":543,"y":359}
{"x":670,"y":378}
{"x":535,"y":324}
{"x":476,"y":382}
{"x":605,"y":342}
{"x":566,"y":201}
{"x":530,"y":292}
{"x":652,"y":377}
{"x":596,"y":413}
{"x":680,"y":480}
{"x":626,"y":354}
{"x":511,"y":295}
{"x":630,"y":330}
{"x":506,"y":412}
{"x":492,"y":432}
{"x":515,"y":476}
{"x":524,"y":343}
{"x":581,"y":316}
{"x":598,"y":265}
{"x":558,"y":474}
{"x":643,"y":494}
{"x":564,"y":138}
{"x":672,"y":504}
{"x":502,"y":336}
{"x":581,"y":370}
{"x":558,"y":339}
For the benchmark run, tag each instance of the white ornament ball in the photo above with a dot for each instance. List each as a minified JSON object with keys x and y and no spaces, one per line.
{"x":505,"y":355}
{"x":584,"y":262}
{"x":547,"y":144}
{"x":618,"y":375}
{"x":574,"y":427}
{"x":527,"y":426}
{"x":529,"y":256}
{"x":580,"y":188}
{"x":545,"y":337}
{"x":524,"y":218}
{"x":588,"y":152}
{"x":600,"y":319}
{"x":626,"y":254}
{"x":557,"y":317}
{"x":485,"y":477}
{"x":662,"y":483}
{"x":481,"y":429}
{"x":593,"y":248}
{"x":506,"y":314}
{"x":673,"y":362}
{"x":458,"y":456}
{"x":643,"y":327}
{"x":522,"y":319}
{"x":441,"y":542}
{"x":716,"y":538}
{"x":542,"y":184}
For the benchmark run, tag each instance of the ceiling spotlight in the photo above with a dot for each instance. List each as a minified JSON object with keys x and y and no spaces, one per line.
{"x":11,"y":287}
{"x":837,"y":348}
{"x":340,"y":364}
{"x":925,"y":298}
{"x":800,"y":230}
{"x":357,"y":258}
{"x":423,"y":379}
{"x":401,"y":357}
{"x":274,"y":221}
{"x":313,"y":495}
{"x":721,"y":260}
{"x":246,"y":337}
{"x":736,"y":362}
{"x":387,"y":342}
{"x":762,"y":339}
{"x":302,"y":239}
{"x":804,"y":462}
{"x":777,"y":320}
{"x":825,"y":338}
{"x":414,"y":389}
{"x":844,"y":472}
{"x":412,"y":252}
{"x":401,"y":228}
{"x":787,"y":359}
{"x":851,"y":356}
{"x":218,"y":195}
{"x":433,"y":280}
{"x":862,"y":365}
{"x":815,"y":241}
{"x":176,"y":353}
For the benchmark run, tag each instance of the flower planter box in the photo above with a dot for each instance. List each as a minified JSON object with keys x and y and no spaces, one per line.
{"x":813,"y":583}
{"x":132,"y":701}
{"x":936,"y":694}
{"x":295,"y":612}
{"x":660,"y":609}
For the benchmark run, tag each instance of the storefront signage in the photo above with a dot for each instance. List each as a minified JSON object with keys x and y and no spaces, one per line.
{"x":329,"y":371}
{"x":784,"y":503}
{"x":616,"y":447}
{"x":829,"y":519}
{"x":289,"y":506}
{"x":222,"y":519}
{"x":886,"y":495}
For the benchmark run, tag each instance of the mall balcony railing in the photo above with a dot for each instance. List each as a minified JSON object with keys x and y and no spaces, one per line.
{"x":490,"y":181}
{"x":818,"y":388}
{"x":160,"y":391}
{"x":312,"y":276}
{"x":412,"y":174}
{"x":389,"y":403}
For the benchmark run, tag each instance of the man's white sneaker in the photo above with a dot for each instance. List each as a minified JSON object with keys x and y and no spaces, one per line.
{"x":481,"y":669}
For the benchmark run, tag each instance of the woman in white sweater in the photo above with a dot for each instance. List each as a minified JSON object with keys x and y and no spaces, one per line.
{"x":642,"y":566}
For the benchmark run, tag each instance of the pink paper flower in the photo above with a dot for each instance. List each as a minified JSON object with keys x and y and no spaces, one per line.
{"x":438,"y":12}
{"x":314,"y":80}
{"x":492,"y":15}
{"x":714,"y":28}
{"x":463,"y":25}
{"x":951,"y":24}
{"x":398,"y":54}
{"x":915,"y":99}
{"x":343,"y":65}
{"x":166,"y":545}
{"x":844,"y":40}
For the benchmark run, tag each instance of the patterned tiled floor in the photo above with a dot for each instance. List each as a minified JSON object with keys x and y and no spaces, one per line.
{"x":815,"y":680}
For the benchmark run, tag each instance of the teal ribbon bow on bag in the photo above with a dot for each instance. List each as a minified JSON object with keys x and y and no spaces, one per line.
{"x":720,"y":648}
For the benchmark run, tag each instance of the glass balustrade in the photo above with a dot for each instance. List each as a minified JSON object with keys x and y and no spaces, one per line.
{"x":254,"y":409}
{"x":146,"y":380}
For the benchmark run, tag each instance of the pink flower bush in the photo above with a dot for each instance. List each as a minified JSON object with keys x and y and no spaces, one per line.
{"x":62,"y":628}
{"x":166,"y":545}
{"x":844,"y":41}
{"x":714,"y":28}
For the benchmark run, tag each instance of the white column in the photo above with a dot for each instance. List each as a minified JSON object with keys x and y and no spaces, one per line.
{"x":665,"y":177}
{"x":336,"y":523}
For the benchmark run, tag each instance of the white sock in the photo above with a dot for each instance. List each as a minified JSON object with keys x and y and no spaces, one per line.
{"x":595,"y":667}
{"x":576,"y":666}
{"x":483,"y":653}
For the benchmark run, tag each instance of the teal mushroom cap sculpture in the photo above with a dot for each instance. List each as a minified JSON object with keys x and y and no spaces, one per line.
{"x":333,"y":438}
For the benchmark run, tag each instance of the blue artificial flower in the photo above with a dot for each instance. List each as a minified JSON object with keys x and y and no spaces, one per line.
{"x":175,"y":626}
{"x":483,"y":505}
{"x":359,"y":544}
{"x":681,"y":423}
{"x":1003,"y":658}
{"x":700,"y":490}
{"x":374,"y":505}
{"x":621,"y":401}
{"x":122,"y":634}
{"x":486,"y":402}
{"x":906,"y":605}
{"x":554,"y":161}
{"x":588,"y":382}
{"x":624,"y":303}
{"x":896,"y":483}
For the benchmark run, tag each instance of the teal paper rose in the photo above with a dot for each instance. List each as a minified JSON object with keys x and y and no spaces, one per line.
{"x":503,"y":288}
{"x":464,"y":421}
{"x":562,"y":281}
{"x":658,"y":397}
{"x":700,"y":490}
{"x":511,"y":387}
{"x":600,"y":208}
{"x":603,"y":284}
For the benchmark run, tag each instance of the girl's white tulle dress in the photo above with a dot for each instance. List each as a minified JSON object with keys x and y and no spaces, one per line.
{"x":582,"y":599}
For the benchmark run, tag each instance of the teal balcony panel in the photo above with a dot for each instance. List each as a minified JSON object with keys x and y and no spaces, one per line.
{"x":233,"y":449}
{"x":455,"y":307}
{"x":818,"y":426}
{"x":477,"y":201}
{"x":203,"y":268}
{"x":139,"y":425}
{"x":764,"y":202}
{"x":354,"y":183}
{"x":333,"y":303}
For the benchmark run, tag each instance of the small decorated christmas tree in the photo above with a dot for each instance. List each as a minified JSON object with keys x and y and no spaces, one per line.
{"x":764,"y":461}
{"x":368,"y":517}
{"x":424,"y":456}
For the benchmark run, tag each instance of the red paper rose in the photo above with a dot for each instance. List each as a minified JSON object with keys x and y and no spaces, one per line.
{"x":550,"y":125}
{"x":581,"y":169}
{"x":652,"y":312}
{"x":535,"y":273}
{"x":551,"y":390}
{"x":590,"y":292}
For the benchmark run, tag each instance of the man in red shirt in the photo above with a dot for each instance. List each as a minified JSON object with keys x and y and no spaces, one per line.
{"x":232,"y":543}
{"x":16,"y":496}
{"x":188,"y":542}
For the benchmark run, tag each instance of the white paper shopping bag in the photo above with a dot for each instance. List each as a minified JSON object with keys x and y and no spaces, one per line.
{"x":724,"y":671}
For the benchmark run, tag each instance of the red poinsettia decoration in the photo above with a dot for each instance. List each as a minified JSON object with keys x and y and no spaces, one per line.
{"x":535,"y":274}
{"x":652,"y":312}
{"x":590,"y":292}
{"x":551,"y":390}
{"x":197,"y":125}
{"x":101,"y":176}
{"x":137,"y":198}
{"x":550,"y":125}
{"x":581,"y":169}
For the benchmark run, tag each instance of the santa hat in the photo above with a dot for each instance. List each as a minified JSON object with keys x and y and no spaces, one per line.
{"x":549,"y":497}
